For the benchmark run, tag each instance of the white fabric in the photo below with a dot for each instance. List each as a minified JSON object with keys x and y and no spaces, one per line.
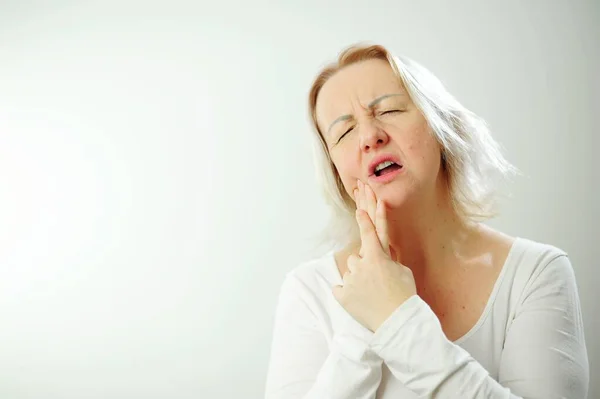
{"x":528,"y":342}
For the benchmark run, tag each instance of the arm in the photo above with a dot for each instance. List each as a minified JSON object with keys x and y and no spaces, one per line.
{"x":544,"y":354}
{"x":302,"y":366}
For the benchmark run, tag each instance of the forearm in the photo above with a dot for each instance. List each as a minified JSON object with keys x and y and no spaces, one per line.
{"x":414,"y":347}
{"x":543,"y":356}
{"x":350,"y":371}
{"x":304,"y":365}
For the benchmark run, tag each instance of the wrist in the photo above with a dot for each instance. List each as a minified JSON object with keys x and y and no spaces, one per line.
{"x":388,"y":311}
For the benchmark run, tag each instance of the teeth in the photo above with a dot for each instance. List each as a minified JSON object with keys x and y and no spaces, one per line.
{"x":383,"y":165}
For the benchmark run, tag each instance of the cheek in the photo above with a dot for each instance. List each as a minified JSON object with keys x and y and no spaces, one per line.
{"x":348,"y":171}
{"x":421,"y":149}
{"x":423,"y":146}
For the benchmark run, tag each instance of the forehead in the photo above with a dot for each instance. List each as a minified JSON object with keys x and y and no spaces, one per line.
{"x":358,"y":83}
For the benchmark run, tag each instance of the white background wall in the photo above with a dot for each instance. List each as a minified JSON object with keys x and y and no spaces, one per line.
{"x":156,"y":180}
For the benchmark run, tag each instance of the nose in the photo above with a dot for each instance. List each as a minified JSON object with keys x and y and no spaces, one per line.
{"x":372,"y":137}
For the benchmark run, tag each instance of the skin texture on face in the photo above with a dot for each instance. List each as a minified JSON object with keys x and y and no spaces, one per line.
{"x":364,"y":111}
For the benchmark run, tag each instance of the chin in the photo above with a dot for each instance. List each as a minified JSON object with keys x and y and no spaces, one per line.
{"x":394,"y":197}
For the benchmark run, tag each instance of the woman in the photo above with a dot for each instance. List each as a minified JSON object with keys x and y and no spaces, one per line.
{"x":425,"y":300}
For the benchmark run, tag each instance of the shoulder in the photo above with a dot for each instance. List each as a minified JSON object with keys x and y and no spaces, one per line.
{"x":313,"y":277}
{"x":533,"y":257}
{"x":540,"y":266}
{"x":537,"y":276}
{"x":540,"y":248}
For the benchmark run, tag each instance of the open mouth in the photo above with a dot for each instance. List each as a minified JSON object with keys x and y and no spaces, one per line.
{"x":386,"y":167}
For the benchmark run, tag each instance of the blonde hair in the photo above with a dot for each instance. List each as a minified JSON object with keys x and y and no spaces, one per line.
{"x":472,"y":159}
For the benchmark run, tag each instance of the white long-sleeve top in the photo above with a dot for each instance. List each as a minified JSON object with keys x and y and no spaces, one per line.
{"x":528,"y":342}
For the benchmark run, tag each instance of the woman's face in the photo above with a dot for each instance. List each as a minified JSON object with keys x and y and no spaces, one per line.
{"x":366,"y":116}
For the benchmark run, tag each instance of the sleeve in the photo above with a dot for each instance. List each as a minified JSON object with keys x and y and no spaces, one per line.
{"x":544,"y":355}
{"x":303,"y":366}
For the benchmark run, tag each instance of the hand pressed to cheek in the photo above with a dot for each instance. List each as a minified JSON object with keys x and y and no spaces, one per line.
{"x":375,"y":285}
{"x":367,"y":200}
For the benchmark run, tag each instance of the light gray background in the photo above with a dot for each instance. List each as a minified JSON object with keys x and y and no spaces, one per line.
{"x":156,"y":180}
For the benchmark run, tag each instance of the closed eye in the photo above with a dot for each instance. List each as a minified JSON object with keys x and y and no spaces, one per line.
{"x":389,"y":111}
{"x":345,"y":133}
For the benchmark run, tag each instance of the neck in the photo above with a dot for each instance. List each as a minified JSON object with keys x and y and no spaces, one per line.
{"x":428,"y":234}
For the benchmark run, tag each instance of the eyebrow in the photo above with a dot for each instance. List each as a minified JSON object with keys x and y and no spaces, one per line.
{"x":370,"y":105}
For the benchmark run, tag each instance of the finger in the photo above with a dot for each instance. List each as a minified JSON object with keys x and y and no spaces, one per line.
{"x":361,"y":201}
{"x":361,"y":252}
{"x":370,"y":202}
{"x":371,"y":247}
{"x":381,"y":226}
{"x":394,"y":255}
{"x":361,"y":204}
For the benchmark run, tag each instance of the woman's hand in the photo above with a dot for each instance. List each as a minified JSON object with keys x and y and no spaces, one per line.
{"x":374,"y":285}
